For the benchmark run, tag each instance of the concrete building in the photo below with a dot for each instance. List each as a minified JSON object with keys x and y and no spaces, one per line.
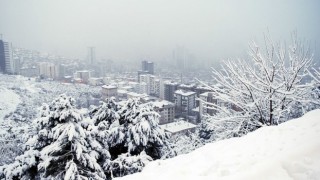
{"x":143,"y":88}
{"x":150,"y":82}
{"x":48,"y":70}
{"x":95,"y":81}
{"x":83,"y":75}
{"x":185,"y":102}
{"x":169,"y":89}
{"x":108,"y":91}
{"x":147,"y":67}
{"x":166,"y":110}
{"x":179,"y":127}
{"x":7,"y":64}
{"x":91,"y":55}
{"x":207,"y":101}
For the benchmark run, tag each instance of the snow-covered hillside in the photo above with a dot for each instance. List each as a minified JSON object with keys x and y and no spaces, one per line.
{"x":8,"y":102}
{"x":288,"y":151}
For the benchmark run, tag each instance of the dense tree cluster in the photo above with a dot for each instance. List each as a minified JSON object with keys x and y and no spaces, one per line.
{"x":114,"y":140}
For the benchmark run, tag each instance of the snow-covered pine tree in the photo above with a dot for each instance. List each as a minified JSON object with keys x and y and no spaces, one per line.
{"x":25,"y":165}
{"x":138,"y":131}
{"x":102,"y":118}
{"x":67,"y":157}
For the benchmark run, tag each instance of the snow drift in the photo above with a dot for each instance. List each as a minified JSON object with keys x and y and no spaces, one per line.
{"x":288,"y":151}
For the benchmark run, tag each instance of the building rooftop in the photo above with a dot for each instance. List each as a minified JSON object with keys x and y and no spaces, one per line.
{"x":184,"y":93}
{"x":161,"y":104}
{"x":178,"y":126}
{"x":206,"y":94}
{"x":109,"y":87}
{"x":170,"y":83}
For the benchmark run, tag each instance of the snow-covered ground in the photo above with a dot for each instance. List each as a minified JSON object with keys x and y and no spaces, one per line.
{"x":288,"y":151}
{"x":9,"y":100}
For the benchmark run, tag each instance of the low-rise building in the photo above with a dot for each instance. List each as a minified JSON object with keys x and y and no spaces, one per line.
{"x":83,"y":75}
{"x":179,"y":127}
{"x":109,"y":91}
{"x":166,"y":110}
{"x":185,"y":102}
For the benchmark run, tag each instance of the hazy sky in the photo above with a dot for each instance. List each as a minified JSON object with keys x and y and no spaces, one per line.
{"x":134,"y":29}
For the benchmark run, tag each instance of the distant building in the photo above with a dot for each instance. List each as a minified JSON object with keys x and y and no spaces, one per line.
{"x":83,"y":75}
{"x":95,"y":81}
{"x":169,"y":89}
{"x":179,"y":127}
{"x":7,"y":63}
{"x":48,"y":70}
{"x":109,"y":91}
{"x":207,"y":101}
{"x":150,"y":82}
{"x":91,"y":55}
{"x":185,"y":102}
{"x":62,"y":71}
{"x":166,"y":110}
{"x":147,"y":67}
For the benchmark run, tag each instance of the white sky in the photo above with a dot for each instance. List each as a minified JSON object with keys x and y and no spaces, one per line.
{"x":135,"y":29}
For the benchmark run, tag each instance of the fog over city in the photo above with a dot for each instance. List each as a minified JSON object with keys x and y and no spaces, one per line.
{"x":159,"y":89}
{"x":210,"y":30}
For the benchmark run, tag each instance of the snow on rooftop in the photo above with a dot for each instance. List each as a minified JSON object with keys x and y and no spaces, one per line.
{"x":161,"y":104}
{"x":288,"y":151}
{"x":170,"y":83}
{"x":184,"y":93}
{"x":108,"y":87}
{"x":178,"y":126}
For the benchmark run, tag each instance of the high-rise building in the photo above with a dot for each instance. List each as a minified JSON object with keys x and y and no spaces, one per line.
{"x":7,"y":63}
{"x":147,"y":67}
{"x":91,"y":55}
{"x":169,"y":89}
{"x":2,"y":57}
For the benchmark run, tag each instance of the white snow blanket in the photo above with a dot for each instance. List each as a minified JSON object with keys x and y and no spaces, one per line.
{"x":288,"y":151}
{"x":9,"y":101}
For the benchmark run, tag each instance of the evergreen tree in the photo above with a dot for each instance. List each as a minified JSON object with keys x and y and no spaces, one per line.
{"x":138,"y":131}
{"x":25,"y":165}
{"x":68,"y":156}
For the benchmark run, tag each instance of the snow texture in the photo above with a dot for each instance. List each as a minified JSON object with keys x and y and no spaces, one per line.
{"x":287,"y":151}
{"x":8,"y":102}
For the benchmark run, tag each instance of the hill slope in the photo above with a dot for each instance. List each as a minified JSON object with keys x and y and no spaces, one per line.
{"x":288,"y":151}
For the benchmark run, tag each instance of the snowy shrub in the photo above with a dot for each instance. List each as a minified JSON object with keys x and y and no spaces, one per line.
{"x":261,"y":90}
{"x":126,"y":164}
{"x":183,"y":144}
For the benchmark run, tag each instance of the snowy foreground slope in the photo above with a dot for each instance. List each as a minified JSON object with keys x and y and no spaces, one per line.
{"x":288,"y":151}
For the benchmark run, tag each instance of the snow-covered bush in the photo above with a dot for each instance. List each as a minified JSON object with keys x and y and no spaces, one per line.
{"x":261,"y":90}
{"x":185,"y":143}
{"x":126,"y":164}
